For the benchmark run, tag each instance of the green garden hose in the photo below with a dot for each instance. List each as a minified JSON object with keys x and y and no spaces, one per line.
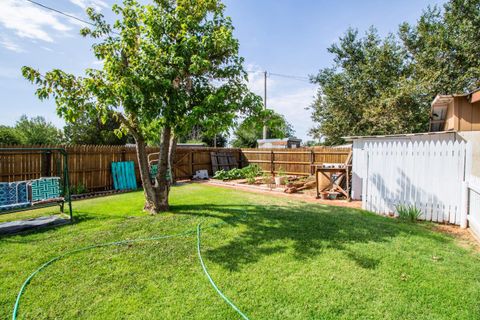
{"x":123,"y":242}
{"x":220,"y":293}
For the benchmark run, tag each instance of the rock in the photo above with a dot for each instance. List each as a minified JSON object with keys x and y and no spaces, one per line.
{"x":290,"y":190}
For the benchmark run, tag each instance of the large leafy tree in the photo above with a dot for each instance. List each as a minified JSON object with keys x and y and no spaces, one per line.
{"x":385,"y":86}
{"x":173,"y":64}
{"x":443,"y":46}
{"x":367,"y":91}
{"x":250,"y":130}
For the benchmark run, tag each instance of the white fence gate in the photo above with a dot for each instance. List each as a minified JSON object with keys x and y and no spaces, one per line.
{"x":474,"y":204}
{"x":428,"y":174}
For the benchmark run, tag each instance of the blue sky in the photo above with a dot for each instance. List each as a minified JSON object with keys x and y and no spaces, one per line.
{"x":280,"y":36}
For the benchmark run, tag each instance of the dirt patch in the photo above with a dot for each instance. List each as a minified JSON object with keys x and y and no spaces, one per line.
{"x":464,"y":237}
{"x":305,"y":196}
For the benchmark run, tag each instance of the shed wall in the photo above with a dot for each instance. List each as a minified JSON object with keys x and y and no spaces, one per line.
{"x":360,"y":157}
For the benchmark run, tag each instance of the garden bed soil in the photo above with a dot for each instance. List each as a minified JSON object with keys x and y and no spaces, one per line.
{"x":307,"y":195}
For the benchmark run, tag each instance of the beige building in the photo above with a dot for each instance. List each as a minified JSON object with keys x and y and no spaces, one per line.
{"x":459,"y":113}
{"x":287,"y":143}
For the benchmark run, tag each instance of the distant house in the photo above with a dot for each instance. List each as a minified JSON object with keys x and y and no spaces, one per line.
{"x":457,"y":112}
{"x":287,"y":143}
{"x":191,"y":145}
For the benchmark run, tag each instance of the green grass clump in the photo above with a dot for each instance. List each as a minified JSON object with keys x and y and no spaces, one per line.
{"x":275,"y":258}
{"x":408,"y":213}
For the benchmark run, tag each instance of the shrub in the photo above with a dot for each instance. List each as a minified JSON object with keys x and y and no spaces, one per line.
{"x":408,"y":213}
{"x":78,"y":189}
{"x":249,"y":172}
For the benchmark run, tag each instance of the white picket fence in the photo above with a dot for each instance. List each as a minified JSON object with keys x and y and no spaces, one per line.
{"x":428,"y":174}
{"x":474,"y":204}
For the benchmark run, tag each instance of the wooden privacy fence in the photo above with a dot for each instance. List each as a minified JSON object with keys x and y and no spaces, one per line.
{"x":90,"y":166}
{"x":428,"y":175}
{"x":293,"y":161}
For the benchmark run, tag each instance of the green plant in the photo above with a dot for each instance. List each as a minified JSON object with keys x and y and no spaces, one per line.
{"x":249,"y":172}
{"x":408,"y":212}
{"x":78,"y":189}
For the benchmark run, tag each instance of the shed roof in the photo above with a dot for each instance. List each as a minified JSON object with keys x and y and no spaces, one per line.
{"x":403,"y":135}
{"x":279,"y":140}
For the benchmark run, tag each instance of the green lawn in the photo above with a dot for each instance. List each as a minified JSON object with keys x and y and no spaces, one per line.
{"x":274,"y":257}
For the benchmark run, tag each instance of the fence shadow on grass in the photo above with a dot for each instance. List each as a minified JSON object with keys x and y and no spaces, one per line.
{"x":307,"y":230}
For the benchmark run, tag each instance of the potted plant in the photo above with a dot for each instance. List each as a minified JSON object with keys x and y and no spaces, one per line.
{"x":280,"y":178}
{"x":324,"y":195}
{"x":332,"y":195}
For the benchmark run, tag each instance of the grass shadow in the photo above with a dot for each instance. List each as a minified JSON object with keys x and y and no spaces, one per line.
{"x":307,"y":229}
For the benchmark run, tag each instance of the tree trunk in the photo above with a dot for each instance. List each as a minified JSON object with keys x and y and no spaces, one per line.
{"x":151,"y":201}
{"x":171,"y":157}
{"x":161,"y":187}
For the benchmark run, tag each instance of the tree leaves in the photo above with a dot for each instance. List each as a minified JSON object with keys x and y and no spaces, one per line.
{"x":173,"y":63}
{"x":385,"y":86}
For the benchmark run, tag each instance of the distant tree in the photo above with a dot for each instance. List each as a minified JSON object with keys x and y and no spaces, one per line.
{"x":219,"y":140}
{"x":37,"y":131}
{"x":199,"y":134}
{"x":444,"y":47}
{"x":88,"y":129}
{"x":312,"y":143}
{"x":251,"y":129}
{"x":367,"y":91}
{"x":9,"y":136}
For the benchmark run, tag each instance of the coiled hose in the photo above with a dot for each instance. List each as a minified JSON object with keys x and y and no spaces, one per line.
{"x":123,"y":242}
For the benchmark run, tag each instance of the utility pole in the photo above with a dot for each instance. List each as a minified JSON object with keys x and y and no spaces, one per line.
{"x":264,"y":102}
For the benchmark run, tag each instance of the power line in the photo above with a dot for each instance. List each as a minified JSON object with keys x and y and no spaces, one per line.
{"x":294,"y":77}
{"x":289,"y":76}
{"x":300,"y":78}
{"x":60,"y":12}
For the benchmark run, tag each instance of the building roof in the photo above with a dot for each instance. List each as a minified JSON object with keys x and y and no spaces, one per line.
{"x":279,"y":140}
{"x":193,"y":144}
{"x":403,"y":135}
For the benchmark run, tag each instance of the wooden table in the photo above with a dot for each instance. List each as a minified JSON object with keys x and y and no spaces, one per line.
{"x":341,"y":173}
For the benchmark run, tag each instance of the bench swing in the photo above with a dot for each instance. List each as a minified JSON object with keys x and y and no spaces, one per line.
{"x":51,"y":188}
{"x":152,"y":159}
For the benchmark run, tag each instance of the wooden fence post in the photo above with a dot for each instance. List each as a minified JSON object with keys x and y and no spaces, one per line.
{"x":123,"y":151}
{"x":272,"y":164}
{"x":240,"y":162}
{"x":312,"y":162}
{"x":191,"y":163}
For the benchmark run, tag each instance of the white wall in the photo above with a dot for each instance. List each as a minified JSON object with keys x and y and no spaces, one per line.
{"x":474,"y":205}
{"x":360,"y":157}
{"x":473,"y":137}
{"x":427,"y":172}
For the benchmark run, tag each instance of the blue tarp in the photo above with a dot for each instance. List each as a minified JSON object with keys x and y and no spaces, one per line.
{"x":123,"y":174}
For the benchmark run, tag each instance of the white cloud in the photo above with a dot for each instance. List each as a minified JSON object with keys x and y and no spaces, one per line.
{"x":28,"y":21}
{"x":98,"y":5}
{"x":292,"y":105}
{"x":9,"y":73}
{"x":8,"y":44}
{"x":288,"y":97}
